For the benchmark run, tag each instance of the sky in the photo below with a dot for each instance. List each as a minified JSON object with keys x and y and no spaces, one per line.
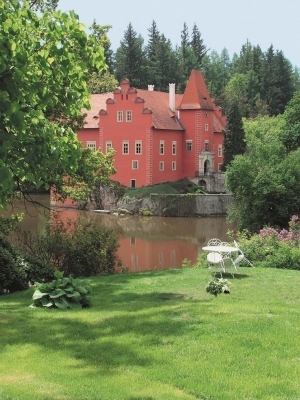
{"x":222,"y":23}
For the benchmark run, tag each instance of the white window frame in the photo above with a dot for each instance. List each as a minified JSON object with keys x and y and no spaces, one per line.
{"x":188,"y":145}
{"x":91,"y":144}
{"x":108,"y":145}
{"x":220,"y":150}
{"x":135,"y":164}
{"x":219,"y":166}
{"x":174,"y":148}
{"x":125,"y":144}
{"x":206,"y":127}
{"x":161,"y":147}
{"x":206,"y":145}
{"x":119,"y":116}
{"x":161,"y":166}
{"x":138,"y":147}
{"x":173,"y":165}
{"x":128,"y":115}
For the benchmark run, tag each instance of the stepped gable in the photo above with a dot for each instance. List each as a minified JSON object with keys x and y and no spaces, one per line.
{"x":98,"y":102}
{"x":196,"y":95}
{"x":162,"y":116}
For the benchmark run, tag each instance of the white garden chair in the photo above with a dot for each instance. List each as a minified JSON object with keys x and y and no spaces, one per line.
{"x":214,"y":242}
{"x":241,"y":253}
{"x":215,"y":262}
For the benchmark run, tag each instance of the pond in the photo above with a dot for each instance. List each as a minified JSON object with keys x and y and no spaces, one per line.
{"x":146,"y":243}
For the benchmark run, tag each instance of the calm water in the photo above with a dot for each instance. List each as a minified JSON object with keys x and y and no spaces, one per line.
{"x":146,"y":243}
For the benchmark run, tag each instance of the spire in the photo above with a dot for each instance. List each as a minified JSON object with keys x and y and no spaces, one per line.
{"x":196,"y":95}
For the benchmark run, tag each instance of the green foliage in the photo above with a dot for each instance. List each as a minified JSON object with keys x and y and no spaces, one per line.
{"x":17,"y":270}
{"x":265,"y":181}
{"x":217,"y":286}
{"x":62,"y":293}
{"x":79,"y":248}
{"x":93,"y":169}
{"x":10,"y":224}
{"x":234,"y":136}
{"x":290,"y":135}
{"x":186,"y":263}
{"x":44,"y":59}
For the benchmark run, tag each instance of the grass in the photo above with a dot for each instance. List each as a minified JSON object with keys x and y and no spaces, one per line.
{"x":157,"y":335}
{"x":179,"y":187}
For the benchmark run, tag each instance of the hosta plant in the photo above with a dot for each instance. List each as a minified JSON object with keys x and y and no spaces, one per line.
{"x":217,"y":286}
{"x":62,"y":293}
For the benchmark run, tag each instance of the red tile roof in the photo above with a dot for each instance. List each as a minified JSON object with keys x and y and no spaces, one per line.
{"x":157,"y":102}
{"x":162,"y":116}
{"x":98,"y":102}
{"x":196,"y":95}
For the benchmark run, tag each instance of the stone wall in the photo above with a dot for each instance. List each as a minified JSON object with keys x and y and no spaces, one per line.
{"x":198,"y":205}
{"x":212,"y":182}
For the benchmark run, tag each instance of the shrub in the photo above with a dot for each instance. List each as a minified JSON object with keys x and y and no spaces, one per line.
{"x":13,"y":276}
{"x":217,"y":286}
{"x":273,"y":248}
{"x":17,"y":269}
{"x":79,"y":248}
{"x":62,"y":293}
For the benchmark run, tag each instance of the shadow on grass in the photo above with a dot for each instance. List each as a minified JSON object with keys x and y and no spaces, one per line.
{"x":106,"y":336}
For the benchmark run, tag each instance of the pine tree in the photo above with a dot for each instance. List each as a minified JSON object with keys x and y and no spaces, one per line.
{"x":234,"y":136}
{"x":152,"y":53}
{"x":199,"y":49}
{"x":130,"y":60}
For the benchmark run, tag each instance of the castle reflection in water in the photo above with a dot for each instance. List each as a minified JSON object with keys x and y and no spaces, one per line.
{"x":146,"y":243}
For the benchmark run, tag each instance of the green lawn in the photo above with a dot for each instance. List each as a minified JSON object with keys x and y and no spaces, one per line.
{"x":158,"y":335}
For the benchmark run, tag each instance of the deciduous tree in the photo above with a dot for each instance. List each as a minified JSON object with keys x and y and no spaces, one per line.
{"x":42,"y":91}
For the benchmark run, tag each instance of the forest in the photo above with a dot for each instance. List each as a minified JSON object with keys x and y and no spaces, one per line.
{"x":261,"y":82}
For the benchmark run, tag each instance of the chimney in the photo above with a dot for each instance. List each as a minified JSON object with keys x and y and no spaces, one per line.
{"x":172,"y":96}
{"x":150,"y":88}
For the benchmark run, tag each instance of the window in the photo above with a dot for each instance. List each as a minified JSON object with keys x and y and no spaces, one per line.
{"x":108,"y":146}
{"x":174,"y":146}
{"x":128,"y":116}
{"x":120,"y":116}
{"x":91,"y":145}
{"x":138,"y":147}
{"x":206,"y":114}
{"x":125,"y":148}
{"x":173,"y":165}
{"x":220,"y":150}
{"x":161,"y":165}
{"x":132,"y":240}
{"x":206,"y":145}
{"x":133,"y":183}
{"x":188,"y":145}
{"x":206,"y":127}
{"x":135,"y":164}
{"x":161,"y":147}
{"x":220,"y":167}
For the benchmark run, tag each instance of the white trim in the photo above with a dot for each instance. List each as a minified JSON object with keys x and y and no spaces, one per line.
{"x":124,"y":143}
{"x":91,"y":144}
{"x":174,"y":148}
{"x":135,"y":164}
{"x":128,"y":115}
{"x":119,"y":116}
{"x":189,"y":143}
{"x":161,"y":147}
{"x":108,"y":145}
{"x":138,"y":144}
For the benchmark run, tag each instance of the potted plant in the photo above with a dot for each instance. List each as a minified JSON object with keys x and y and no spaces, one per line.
{"x":217,"y":286}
